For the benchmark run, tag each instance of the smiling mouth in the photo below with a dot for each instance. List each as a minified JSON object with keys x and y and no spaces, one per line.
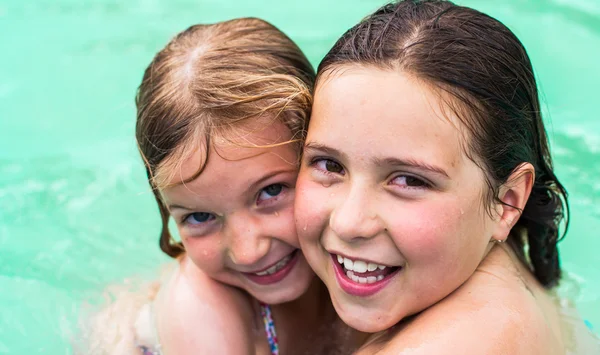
{"x":362,"y":278}
{"x":365,"y":272}
{"x":275,"y":272}
{"x":278,"y":266}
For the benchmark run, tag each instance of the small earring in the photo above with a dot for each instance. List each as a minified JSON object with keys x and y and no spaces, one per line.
{"x":499,"y":241}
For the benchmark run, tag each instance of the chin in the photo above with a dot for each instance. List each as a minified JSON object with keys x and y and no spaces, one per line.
{"x":363,"y":319}
{"x":273,"y":298}
{"x":367,"y":325}
{"x":289,"y":290}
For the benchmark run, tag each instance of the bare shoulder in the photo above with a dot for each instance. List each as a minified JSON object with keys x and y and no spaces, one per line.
{"x":494,"y":312}
{"x":109,"y":329}
{"x":195,"y":314}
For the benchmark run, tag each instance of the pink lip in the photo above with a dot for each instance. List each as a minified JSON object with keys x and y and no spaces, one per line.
{"x":277,"y":276}
{"x":357,"y":289}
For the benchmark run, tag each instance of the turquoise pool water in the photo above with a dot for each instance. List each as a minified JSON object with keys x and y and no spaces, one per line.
{"x":75,"y":212}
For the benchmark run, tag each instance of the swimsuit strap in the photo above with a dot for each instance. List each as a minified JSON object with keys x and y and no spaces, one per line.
{"x":265,"y":311}
{"x":149,"y":349}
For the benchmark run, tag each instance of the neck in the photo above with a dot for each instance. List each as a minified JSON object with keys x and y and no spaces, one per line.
{"x":299,"y":322}
{"x":311,"y":323}
{"x":313,"y":304}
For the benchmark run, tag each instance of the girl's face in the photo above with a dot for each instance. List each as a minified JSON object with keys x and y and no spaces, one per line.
{"x":389,"y":209}
{"x":236,"y":219}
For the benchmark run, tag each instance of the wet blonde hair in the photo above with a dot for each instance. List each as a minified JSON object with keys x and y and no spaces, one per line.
{"x":207,"y":81}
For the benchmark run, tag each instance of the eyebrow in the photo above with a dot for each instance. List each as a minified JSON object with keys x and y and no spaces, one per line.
{"x":410,"y":163}
{"x":314,"y":147}
{"x":320,"y":148}
{"x":253,"y":186}
{"x":170,"y":207}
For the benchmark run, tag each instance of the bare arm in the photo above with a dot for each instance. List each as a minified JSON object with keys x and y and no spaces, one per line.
{"x":493,"y":313}
{"x":196,"y":315}
{"x":472,"y":332}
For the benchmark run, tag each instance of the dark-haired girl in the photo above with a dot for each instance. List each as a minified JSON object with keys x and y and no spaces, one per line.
{"x":427,"y":200}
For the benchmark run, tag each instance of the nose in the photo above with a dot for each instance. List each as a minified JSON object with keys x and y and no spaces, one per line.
{"x":247,"y":241}
{"x":354,"y":216}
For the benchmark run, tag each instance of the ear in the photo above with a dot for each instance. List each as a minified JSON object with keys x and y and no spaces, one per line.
{"x":514,"y":194}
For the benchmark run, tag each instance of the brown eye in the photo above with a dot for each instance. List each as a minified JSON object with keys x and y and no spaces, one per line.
{"x":329,"y":166}
{"x":413,"y":181}
{"x":409,"y":181}
{"x":333,"y":167}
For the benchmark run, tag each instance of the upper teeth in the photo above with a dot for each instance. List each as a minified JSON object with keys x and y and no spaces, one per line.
{"x":273,"y":269}
{"x":359,"y":265}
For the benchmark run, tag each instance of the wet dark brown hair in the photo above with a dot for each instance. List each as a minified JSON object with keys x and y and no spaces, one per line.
{"x":486,"y":71}
{"x":206,"y":82}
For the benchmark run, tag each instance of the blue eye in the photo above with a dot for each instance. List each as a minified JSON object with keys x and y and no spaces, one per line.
{"x":270,"y":191}
{"x":198,"y":218}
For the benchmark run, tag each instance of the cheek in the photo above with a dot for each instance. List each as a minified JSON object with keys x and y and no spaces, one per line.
{"x":281,"y":226}
{"x":205,"y":252}
{"x":432,"y":232}
{"x":310,"y":209}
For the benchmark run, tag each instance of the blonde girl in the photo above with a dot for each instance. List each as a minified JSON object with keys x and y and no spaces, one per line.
{"x":220,"y":114}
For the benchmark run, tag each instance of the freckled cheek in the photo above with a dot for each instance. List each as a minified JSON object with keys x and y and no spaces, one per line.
{"x":207,"y":254}
{"x":281,"y":226}
{"x":311,"y":211}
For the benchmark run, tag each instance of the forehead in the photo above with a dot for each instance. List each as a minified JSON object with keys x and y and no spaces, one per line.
{"x":262,"y":145}
{"x":390,"y":112}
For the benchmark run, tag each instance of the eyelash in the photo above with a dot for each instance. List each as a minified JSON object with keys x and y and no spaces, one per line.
{"x":425,"y":184}
{"x":184,"y":219}
{"x":313,"y":163}
{"x":274,"y":198}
